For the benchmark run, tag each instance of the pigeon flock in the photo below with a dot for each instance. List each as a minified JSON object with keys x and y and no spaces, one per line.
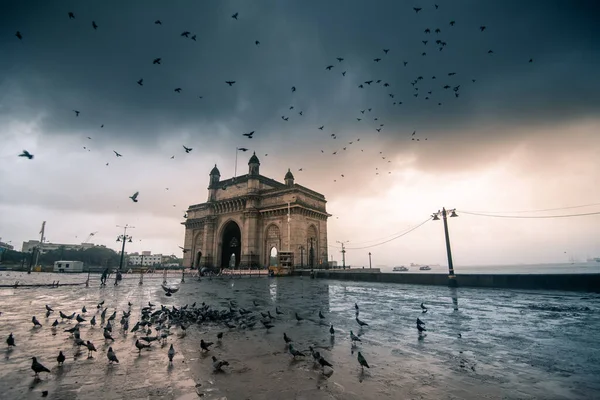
{"x":156,"y":326}
{"x":434,"y":90}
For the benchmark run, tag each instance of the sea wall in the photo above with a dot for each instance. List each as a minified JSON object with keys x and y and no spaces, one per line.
{"x":572,"y":282}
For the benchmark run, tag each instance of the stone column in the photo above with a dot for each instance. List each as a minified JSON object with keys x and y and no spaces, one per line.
{"x":323,"y":242}
{"x":250,"y":246}
{"x":209,"y":254}
{"x":188,"y":257}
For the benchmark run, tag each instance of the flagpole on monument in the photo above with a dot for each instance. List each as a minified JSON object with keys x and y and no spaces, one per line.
{"x":236,"y":153}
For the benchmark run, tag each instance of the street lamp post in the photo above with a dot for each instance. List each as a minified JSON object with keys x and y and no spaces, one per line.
{"x":436,"y":217}
{"x":369,"y":260}
{"x":124,"y":238}
{"x":301,"y":256}
{"x":343,"y":253}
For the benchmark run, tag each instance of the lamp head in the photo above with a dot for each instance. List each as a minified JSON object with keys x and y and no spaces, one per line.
{"x":129,"y":240}
{"x":453,"y":214}
{"x":119,"y":239}
{"x":435,"y":217}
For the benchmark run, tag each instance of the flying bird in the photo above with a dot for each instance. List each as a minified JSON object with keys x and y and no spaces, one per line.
{"x":329,"y":67}
{"x":71,"y":15}
{"x":344,"y":73}
{"x":293,"y":89}
{"x":178,"y":90}
{"x":141,"y":82}
{"x":186,"y":34}
{"x":117,"y":154}
{"x":27,"y":154}
{"x":417,"y":9}
{"x":76,"y":113}
{"x":235,"y":16}
{"x":157,"y":22}
{"x":187,"y":149}
{"x":156,"y":61}
{"x":18,"y":34}
{"x":248,"y":135}
{"x":482,"y":28}
{"x":94,"y":25}
{"x":230,"y":83}
{"x":340,"y":59}
{"x":134,"y":197}
{"x":321,"y":127}
{"x":169,"y":291}
{"x":218,"y":364}
{"x":194,"y":38}
{"x":377,"y":59}
{"x":242,"y":149}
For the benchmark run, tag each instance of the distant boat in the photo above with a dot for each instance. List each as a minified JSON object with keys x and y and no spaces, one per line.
{"x":425,"y":268}
{"x":400,"y":269}
{"x":423,"y":265}
{"x":594,"y":259}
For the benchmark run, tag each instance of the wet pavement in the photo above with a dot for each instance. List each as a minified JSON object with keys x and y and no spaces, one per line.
{"x":479,"y":344}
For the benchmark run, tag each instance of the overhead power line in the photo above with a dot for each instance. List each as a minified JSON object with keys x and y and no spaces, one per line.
{"x":540,"y":210}
{"x":389,"y":240}
{"x":528,"y":216}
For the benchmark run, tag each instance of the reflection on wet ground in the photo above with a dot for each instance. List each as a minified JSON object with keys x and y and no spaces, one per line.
{"x":480,"y":343}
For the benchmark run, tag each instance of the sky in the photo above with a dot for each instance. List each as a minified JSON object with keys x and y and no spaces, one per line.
{"x":516,"y":129}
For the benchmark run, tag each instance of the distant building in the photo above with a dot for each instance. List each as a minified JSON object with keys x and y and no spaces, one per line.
{"x":46,"y":247}
{"x":6,"y":246}
{"x":145,"y":259}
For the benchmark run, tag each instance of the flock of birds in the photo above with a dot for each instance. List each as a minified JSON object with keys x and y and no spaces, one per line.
{"x":164,"y":319}
{"x":426,"y":89}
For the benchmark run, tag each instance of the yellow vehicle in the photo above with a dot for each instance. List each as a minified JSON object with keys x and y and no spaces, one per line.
{"x":285,"y":265}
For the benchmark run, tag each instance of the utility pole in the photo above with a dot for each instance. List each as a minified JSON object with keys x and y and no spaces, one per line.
{"x":343,"y":253}
{"x":451,"y":277}
{"x":124,"y":238}
{"x":369,"y":260}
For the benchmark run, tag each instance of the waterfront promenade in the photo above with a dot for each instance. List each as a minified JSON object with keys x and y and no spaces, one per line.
{"x":480,"y":343}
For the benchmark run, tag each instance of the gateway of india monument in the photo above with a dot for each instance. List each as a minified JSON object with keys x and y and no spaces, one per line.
{"x":245,"y":224}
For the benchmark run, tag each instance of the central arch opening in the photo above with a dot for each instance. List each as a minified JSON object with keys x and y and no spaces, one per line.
{"x":231,"y":245}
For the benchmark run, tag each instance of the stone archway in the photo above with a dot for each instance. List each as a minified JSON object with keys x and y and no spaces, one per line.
{"x":231,"y":244}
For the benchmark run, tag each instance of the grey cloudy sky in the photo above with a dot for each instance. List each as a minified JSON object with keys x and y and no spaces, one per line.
{"x":535,"y":122}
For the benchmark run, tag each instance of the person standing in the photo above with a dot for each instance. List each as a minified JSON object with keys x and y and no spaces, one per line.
{"x":103,"y":277}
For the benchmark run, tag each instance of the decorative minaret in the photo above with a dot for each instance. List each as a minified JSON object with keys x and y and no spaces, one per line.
{"x":289,"y":178}
{"x":253,"y":165}
{"x":215,"y":176}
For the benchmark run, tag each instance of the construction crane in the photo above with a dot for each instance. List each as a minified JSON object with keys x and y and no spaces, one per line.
{"x":89,"y":237}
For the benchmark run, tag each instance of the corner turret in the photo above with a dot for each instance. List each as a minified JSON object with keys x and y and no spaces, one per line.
{"x":289,"y":178}
{"x":253,"y":165}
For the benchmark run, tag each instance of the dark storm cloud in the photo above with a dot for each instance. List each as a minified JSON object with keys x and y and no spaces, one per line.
{"x":63,"y":64}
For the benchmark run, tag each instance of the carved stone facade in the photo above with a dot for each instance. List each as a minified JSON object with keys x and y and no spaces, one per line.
{"x":247,"y":216}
